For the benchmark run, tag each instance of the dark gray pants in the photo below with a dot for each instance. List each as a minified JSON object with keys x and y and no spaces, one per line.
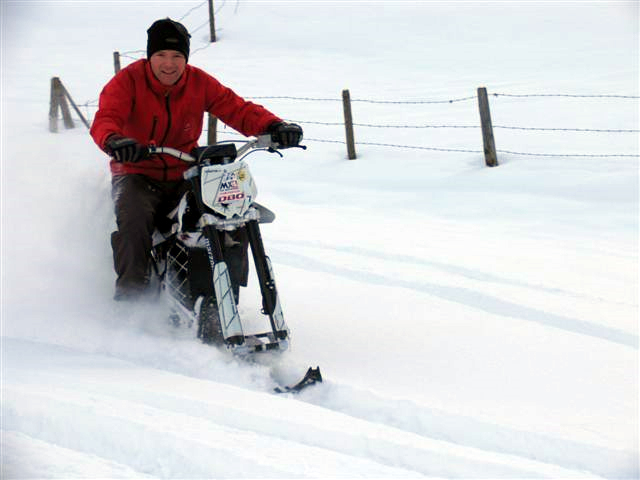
{"x":140,"y":203}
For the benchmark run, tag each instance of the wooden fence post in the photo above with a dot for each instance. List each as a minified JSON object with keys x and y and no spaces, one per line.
{"x":59,"y":97}
{"x":212,"y":22}
{"x":490,"y":155}
{"x":58,"y":103}
{"x":116,"y":61}
{"x":348,"y":124}
{"x":54,"y":106}
{"x":212,"y":133}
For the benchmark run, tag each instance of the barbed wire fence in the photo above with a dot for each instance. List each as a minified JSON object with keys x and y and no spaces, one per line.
{"x":349,"y":125}
{"x":93,"y":104}
{"x":524,"y":129}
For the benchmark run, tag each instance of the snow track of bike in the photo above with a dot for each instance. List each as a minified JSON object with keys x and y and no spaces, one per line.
{"x":107,"y":415}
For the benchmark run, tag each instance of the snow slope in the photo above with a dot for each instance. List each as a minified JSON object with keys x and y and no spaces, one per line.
{"x":469,"y":322}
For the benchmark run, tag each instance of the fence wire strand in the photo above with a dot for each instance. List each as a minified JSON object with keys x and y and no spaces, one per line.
{"x":363,"y":100}
{"x":540,"y":129}
{"x":568,"y":155}
{"x":563,"y":95}
{"x":191,"y":10}
{"x":464,"y":150}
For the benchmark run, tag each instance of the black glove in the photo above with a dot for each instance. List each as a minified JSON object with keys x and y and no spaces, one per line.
{"x":285,"y":134}
{"x":126,"y":149}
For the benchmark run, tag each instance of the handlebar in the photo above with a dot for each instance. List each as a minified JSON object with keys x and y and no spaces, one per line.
{"x":260,"y":142}
{"x":174,"y":152}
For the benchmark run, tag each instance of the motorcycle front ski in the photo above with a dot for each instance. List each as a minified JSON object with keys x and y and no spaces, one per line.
{"x":312,"y":377}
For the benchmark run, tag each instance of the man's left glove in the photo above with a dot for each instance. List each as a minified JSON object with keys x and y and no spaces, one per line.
{"x":285,"y":134}
{"x":126,"y":149}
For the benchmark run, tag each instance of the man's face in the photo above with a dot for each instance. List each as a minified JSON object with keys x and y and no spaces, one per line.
{"x":168,"y":66}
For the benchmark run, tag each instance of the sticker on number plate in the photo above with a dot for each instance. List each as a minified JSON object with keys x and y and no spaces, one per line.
{"x":230,"y":191}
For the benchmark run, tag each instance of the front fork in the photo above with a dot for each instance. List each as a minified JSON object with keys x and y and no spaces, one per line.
{"x":227,"y":308}
{"x":270,"y":300}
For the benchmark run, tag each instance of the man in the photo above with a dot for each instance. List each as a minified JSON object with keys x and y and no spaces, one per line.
{"x":162,"y":100}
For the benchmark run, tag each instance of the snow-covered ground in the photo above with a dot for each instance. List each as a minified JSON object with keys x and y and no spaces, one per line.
{"x":469,"y":322}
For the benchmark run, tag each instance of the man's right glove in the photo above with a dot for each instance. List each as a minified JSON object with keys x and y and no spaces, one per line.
{"x":285,"y":134}
{"x":126,"y":149}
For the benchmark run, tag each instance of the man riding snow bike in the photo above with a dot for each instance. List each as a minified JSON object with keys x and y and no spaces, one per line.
{"x":161,"y":100}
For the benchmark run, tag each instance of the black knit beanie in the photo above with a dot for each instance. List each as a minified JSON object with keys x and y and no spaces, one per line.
{"x":166,"y":34}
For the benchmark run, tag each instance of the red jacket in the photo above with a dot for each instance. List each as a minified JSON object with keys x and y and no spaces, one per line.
{"x":135,"y":104}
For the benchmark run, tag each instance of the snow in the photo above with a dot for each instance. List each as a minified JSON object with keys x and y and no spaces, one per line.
{"x":469,"y":322}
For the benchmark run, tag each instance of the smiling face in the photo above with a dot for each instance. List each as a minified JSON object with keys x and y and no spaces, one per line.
{"x":168,"y":66}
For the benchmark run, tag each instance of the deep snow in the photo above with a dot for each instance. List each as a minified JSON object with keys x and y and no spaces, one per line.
{"x":469,"y":322}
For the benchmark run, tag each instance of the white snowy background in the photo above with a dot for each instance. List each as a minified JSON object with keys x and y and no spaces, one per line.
{"x":469,"y":322}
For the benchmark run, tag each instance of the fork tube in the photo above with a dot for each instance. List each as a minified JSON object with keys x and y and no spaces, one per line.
{"x":267,"y":282}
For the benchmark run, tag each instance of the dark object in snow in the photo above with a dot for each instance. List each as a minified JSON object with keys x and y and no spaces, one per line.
{"x":312,"y":377}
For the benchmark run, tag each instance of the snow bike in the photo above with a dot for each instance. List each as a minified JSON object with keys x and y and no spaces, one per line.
{"x":194,"y":259}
